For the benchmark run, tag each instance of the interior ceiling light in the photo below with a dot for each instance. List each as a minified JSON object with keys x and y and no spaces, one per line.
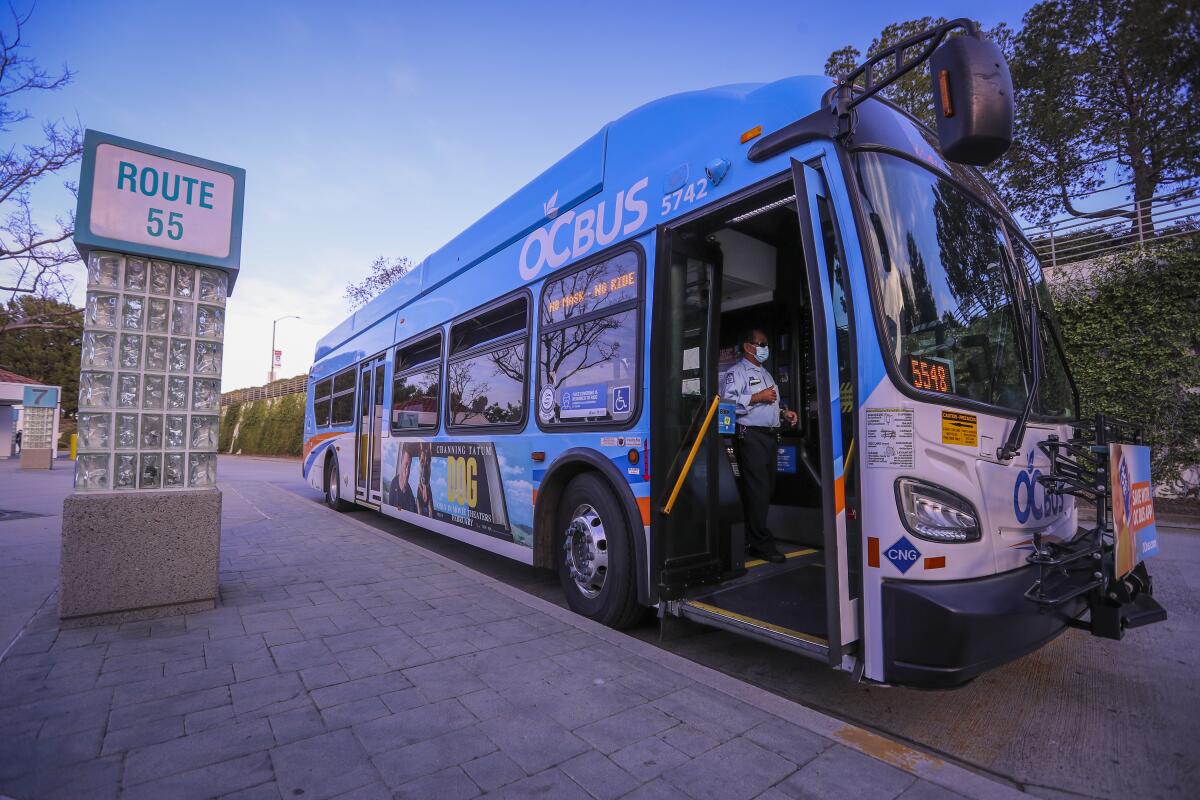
{"x":762,"y":210}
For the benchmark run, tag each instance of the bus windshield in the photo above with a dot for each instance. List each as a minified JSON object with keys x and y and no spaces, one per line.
{"x":948,"y":300}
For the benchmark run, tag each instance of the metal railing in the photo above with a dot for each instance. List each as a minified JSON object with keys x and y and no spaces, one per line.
{"x":1135,"y":224}
{"x":276,"y":389}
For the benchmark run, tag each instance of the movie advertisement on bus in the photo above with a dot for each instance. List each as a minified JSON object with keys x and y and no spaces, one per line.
{"x":467,"y":484}
{"x":1135,"y":535}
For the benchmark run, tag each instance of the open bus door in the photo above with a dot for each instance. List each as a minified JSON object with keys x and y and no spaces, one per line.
{"x":368,"y":486}
{"x":805,"y":604}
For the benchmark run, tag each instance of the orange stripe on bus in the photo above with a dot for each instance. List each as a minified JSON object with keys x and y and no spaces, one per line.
{"x":644,"y":507}
{"x":839,"y":495}
{"x":872,"y":551}
{"x":935,"y":562}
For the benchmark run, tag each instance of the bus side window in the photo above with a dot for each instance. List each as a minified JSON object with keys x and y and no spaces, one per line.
{"x":343,"y":398}
{"x":417,"y":385}
{"x":485,"y":373}
{"x":321,"y":399}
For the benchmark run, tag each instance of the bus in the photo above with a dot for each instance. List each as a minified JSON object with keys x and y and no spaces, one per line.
{"x":546,"y":386}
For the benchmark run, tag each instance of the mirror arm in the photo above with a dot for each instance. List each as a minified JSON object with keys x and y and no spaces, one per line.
{"x":927,"y":40}
{"x":1012,"y":446}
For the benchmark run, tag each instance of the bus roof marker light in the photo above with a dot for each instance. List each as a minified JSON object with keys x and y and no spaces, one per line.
{"x":753,"y":133}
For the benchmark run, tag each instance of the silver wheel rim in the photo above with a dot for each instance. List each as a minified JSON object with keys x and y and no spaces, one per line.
{"x":585,"y":551}
{"x":333,"y":485}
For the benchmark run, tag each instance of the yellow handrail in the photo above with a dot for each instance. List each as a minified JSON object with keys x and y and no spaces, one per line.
{"x":687,"y":465}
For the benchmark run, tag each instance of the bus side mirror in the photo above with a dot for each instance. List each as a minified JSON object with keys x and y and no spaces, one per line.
{"x":973,"y":100}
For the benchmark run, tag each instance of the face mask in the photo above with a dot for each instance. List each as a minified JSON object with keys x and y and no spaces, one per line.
{"x":762,"y":353}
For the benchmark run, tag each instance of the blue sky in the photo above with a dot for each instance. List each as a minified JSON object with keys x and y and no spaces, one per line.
{"x":372,"y":128}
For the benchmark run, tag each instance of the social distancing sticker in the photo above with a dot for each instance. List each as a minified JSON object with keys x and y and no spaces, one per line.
{"x":959,"y":428}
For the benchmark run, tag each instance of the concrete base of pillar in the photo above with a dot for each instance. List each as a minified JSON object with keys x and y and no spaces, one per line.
{"x":36,"y":458}
{"x":138,"y":555}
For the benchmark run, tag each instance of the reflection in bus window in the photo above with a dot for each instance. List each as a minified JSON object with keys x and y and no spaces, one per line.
{"x":587,"y":348}
{"x":415,"y":401}
{"x":947,"y":293}
{"x":486,"y":389}
{"x":343,"y":398}
{"x":321,"y":398}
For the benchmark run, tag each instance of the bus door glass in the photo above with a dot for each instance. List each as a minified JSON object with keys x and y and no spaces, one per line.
{"x":370,"y":425}
{"x":834,"y":389}
{"x":684,"y":385}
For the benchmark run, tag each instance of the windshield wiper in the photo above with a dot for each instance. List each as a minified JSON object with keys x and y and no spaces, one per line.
{"x":1012,"y":446}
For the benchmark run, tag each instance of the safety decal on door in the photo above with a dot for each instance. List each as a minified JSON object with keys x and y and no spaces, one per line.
{"x":959,"y":428}
{"x":890,"y":438}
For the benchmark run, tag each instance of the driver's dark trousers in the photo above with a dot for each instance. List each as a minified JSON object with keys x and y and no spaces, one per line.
{"x":757,"y":459}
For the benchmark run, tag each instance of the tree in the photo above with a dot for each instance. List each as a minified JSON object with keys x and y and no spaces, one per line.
{"x":1102,"y":83}
{"x":384,"y":272}
{"x":911,"y":92}
{"x":33,"y":261}
{"x":46,"y":353}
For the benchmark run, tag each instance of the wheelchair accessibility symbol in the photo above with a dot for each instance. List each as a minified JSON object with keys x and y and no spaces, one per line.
{"x":621,"y":400}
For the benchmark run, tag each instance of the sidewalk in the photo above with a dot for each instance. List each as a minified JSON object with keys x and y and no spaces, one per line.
{"x":343,"y":662}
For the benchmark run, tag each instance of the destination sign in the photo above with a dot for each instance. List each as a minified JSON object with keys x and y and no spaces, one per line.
{"x":592,"y":288}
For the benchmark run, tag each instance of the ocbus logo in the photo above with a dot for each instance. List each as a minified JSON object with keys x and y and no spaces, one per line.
{"x":1025,"y":491}
{"x":590,"y":227}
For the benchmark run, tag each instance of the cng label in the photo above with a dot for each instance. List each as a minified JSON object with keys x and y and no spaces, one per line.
{"x":903,"y":554}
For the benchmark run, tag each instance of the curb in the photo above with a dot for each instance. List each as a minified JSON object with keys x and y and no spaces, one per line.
{"x":915,"y":762}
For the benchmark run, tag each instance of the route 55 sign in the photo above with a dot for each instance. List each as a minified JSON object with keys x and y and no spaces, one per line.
{"x":140,"y":199}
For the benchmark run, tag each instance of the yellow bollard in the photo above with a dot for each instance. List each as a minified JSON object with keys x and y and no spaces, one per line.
{"x":74,"y":444}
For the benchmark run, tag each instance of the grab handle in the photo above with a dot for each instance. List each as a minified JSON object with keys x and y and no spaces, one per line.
{"x":687,"y":465}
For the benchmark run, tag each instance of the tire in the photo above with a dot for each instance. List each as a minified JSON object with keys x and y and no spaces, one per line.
{"x":597,"y":576}
{"x":333,"y":487}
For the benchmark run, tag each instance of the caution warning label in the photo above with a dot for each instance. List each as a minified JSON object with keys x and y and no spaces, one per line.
{"x":959,"y":428}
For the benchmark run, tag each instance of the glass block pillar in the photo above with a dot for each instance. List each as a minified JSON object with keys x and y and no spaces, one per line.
{"x":150,"y":375}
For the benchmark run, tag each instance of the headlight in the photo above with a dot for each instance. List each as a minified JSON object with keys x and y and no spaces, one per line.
{"x":936,"y":514}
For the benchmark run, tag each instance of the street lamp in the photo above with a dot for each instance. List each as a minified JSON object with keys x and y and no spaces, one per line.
{"x":271,"y":372}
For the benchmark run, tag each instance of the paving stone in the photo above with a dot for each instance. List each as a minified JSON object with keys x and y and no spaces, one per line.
{"x":400,"y":653}
{"x":493,"y":771}
{"x":535,"y":743}
{"x":611,"y":734}
{"x":322,"y":766}
{"x":258,"y":668}
{"x":355,"y":640}
{"x":262,"y":692}
{"x":550,"y":783}
{"x":840,"y":772}
{"x":657,"y":789}
{"x":324,"y":675}
{"x":196,"y":750}
{"x":414,"y":725}
{"x":710,"y":710}
{"x":372,"y":791}
{"x":93,"y":716}
{"x":354,"y":712}
{"x":924,"y":790}
{"x":403,"y":700}
{"x":600,"y":777}
{"x":143,"y":672}
{"x":184,"y":666}
{"x":300,"y":723}
{"x":175,"y":705}
{"x":263,"y":791}
{"x":301,"y":655}
{"x":203,"y":720}
{"x":142,"y":734}
{"x":358,"y":689}
{"x":648,"y":758}
{"x":689,"y":740}
{"x":400,"y":766}
{"x":39,"y":705}
{"x":361,"y":663}
{"x":449,"y":784}
{"x":790,"y":741}
{"x":234,"y":650}
{"x":28,"y":755}
{"x":158,"y":688}
{"x":486,"y":704}
{"x":212,"y":780}
{"x":736,"y":770}
{"x":94,"y":780}
{"x":285,"y":636}
{"x":441,"y":680}
{"x":267,"y":621}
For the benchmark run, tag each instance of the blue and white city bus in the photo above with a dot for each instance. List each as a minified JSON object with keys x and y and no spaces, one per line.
{"x":546,"y":386}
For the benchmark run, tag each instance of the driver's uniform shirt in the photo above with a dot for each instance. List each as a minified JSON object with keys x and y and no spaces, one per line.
{"x":742,"y":381}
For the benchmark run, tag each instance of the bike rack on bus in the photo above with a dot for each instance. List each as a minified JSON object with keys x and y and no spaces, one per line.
{"x":1085,"y":566}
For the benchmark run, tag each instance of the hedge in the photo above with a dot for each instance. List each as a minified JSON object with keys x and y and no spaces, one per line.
{"x":273,"y":426}
{"x":1131,"y":329}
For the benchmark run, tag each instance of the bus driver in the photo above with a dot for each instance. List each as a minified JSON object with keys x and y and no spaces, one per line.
{"x":751,"y":389}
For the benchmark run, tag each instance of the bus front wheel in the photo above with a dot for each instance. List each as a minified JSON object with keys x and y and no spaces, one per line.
{"x":595,"y":563}
{"x":333,"y":487}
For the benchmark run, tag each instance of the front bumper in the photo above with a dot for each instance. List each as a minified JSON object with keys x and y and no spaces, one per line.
{"x":944,"y":634}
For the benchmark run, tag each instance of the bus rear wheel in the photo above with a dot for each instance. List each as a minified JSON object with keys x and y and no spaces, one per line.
{"x":595,"y":564}
{"x":333,"y":487}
